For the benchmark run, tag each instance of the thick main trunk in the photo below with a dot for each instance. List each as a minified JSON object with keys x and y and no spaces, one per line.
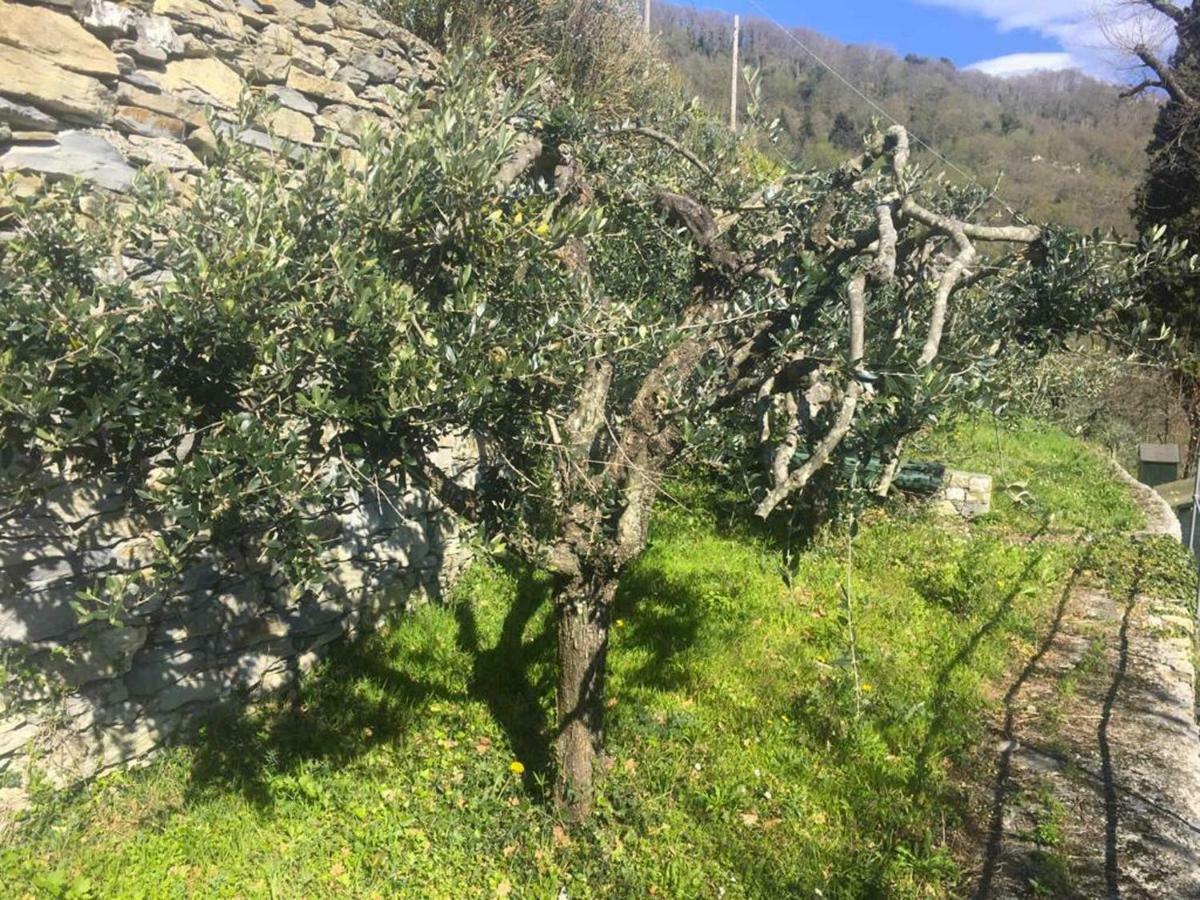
{"x":583,"y":618}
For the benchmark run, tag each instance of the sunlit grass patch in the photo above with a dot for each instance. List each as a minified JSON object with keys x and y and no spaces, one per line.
{"x":755,"y":748}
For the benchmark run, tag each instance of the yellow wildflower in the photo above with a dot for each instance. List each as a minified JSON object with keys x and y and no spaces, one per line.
{"x":516,"y":767}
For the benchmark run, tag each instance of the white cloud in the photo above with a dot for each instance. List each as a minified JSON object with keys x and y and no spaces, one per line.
{"x":1039,"y":15}
{"x":1025,"y":63}
{"x":1084,"y":29}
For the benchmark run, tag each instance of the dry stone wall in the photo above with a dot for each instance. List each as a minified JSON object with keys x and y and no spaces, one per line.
{"x":966,"y":494}
{"x":81,"y":696}
{"x":97,"y":90}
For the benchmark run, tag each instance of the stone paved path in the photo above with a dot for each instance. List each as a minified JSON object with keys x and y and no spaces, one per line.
{"x":1096,"y":777}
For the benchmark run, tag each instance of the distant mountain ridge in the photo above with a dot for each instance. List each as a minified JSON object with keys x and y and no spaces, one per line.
{"x":1070,"y":149}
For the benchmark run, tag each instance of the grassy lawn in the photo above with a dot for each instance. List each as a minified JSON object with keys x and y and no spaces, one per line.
{"x":757,"y":749}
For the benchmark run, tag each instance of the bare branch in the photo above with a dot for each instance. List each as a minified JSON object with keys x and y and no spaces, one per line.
{"x":587,"y":419}
{"x":666,"y":140}
{"x":520,"y":162}
{"x":891,"y":468}
{"x":885,"y":257}
{"x":1016,"y":234}
{"x":820,"y":456}
{"x":1167,"y":9}
{"x":1165,"y":75}
{"x":856,"y":291}
{"x":896,"y":144}
{"x":941,"y":301}
{"x":1143,"y":86}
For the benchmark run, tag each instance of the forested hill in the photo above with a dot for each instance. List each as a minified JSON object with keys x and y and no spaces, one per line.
{"x":1071,"y":150}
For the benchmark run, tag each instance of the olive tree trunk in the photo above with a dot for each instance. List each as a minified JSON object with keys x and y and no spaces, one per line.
{"x":583,"y":618}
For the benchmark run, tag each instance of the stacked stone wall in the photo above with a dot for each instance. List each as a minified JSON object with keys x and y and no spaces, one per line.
{"x":98,"y":90}
{"x":966,"y":494}
{"x":84,"y":692}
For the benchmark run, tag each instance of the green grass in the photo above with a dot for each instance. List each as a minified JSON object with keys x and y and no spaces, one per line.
{"x":750,"y":756}
{"x":1042,"y":478}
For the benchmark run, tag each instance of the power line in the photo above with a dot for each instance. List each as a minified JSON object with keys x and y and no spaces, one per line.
{"x":883,"y":112}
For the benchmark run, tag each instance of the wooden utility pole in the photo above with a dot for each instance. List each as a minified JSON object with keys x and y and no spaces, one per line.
{"x":733,"y":83}
{"x":646,"y":19}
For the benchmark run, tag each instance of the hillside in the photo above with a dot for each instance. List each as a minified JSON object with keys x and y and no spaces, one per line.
{"x":1070,"y":149}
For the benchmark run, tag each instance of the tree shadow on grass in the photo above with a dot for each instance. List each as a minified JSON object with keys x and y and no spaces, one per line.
{"x":1002,"y":788}
{"x":663,"y":618}
{"x":362,"y":698}
{"x":502,"y":675}
{"x":943,"y":697}
{"x":368,"y":695}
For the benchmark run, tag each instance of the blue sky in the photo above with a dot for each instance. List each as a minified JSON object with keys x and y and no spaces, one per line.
{"x":1002,"y":37}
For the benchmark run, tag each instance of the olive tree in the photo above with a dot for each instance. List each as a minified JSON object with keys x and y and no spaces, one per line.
{"x":821,"y":317}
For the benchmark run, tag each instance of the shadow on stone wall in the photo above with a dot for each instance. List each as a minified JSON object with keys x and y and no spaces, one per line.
{"x":81,"y":698}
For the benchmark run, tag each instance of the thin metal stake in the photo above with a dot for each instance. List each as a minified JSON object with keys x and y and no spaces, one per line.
{"x":1192,"y":530}
{"x":733,"y":87}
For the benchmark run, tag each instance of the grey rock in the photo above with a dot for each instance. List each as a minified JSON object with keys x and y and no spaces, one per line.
{"x":126,"y":49}
{"x":73,"y":502}
{"x":199,"y":577}
{"x":155,"y":33}
{"x":28,"y":615}
{"x":15,"y":734}
{"x":155,"y":669}
{"x":105,"y":653}
{"x":263,"y":141}
{"x":50,"y":569}
{"x":144,"y":81}
{"x":194,"y":48}
{"x":20,"y":115}
{"x":291,"y":99}
{"x":160,"y":151}
{"x":200,"y":688}
{"x":314,"y":615}
{"x":377,"y":69}
{"x":355,"y":78}
{"x":126,"y":64}
{"x":201,"y":620}
{"x":249,"y":669}
{"x":105,"y":18}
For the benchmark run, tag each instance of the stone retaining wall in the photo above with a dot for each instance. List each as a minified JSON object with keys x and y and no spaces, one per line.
{"x":966,"y":494}
{"x":98,"y":90}
{"x":83,"y":696}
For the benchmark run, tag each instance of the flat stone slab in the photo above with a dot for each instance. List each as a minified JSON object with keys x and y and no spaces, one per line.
{"x":73,"y":154}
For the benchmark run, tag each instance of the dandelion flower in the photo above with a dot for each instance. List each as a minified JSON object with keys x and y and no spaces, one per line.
{"x":516,"y":767}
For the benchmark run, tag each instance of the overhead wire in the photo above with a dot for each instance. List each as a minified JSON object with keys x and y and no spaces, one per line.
{"x":916,"y":138}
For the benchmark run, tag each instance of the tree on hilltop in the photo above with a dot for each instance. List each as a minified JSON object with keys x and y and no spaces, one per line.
{"x":1168,"y":199}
